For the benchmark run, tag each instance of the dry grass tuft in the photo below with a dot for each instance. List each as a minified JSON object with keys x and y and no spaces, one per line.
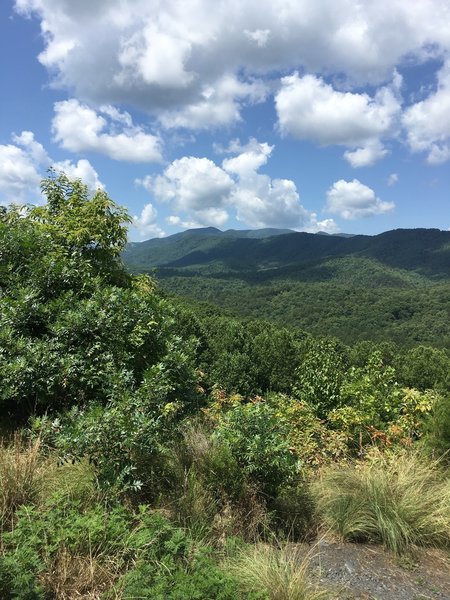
{"x":281,"y":573}
{"x":22,"y":472}
{"x":69,"y":577}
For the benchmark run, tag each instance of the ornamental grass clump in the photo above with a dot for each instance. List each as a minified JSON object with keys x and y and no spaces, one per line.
{"x":400,"y":501}
{"x":278,"y":572}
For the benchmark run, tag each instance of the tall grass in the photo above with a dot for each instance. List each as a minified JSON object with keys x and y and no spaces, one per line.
{"x":280,"y":573}
{"x":22,"y":471}
{"x":399,"y":501}
{"x":30,"y":476}
{"x":210,"y":494}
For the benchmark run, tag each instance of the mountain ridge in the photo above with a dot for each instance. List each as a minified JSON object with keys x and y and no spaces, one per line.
{"x":425,"y":251}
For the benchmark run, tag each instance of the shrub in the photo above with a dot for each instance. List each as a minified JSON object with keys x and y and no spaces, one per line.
{"x":67,"y":548}
{"x":169,"y":565}
{"x":127,"y":438}
{"x":399,"y":501}
{"x":62,"y":548}
{"x":438,"y":428}
{"x":259,"y":441}
{"x":210,"y":493}
{"x":321,"y":374}
{"x":191,"y":573}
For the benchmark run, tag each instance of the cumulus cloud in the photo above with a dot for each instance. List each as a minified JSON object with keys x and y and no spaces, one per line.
{"x":81,"y":170}
{"x":354,"y":200}
{"x":204,"y":193}
{"x":249,"y":158}
{"x":146,"y":222}
{"x":191,"y":65}
{"x":427,"y":122}
{"x":23,"y":165}
{"x":193,"y":186}
{"x":19,"y":177}
{"x":310,"y":109}
{"x":260,"y":201}
{"x":365,"y":156}
{"x":219,"y":104}
{"x":79,"y":128}
{"x":32,"y":147}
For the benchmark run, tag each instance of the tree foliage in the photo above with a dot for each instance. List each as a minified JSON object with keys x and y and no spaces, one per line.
{"x":74,"y":326}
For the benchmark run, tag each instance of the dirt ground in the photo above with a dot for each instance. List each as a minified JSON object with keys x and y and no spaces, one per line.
{"x":364,"y":572}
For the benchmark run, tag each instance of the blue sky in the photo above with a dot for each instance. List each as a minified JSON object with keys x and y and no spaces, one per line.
{"x":332,"y":115}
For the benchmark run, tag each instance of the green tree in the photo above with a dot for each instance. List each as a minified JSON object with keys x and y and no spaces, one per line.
{"x":321,"y":373}
{"x":74,"y":326}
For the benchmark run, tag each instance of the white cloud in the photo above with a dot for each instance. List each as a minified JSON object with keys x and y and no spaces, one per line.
{"x":176,"y":221}
{"x":158,"y":57}
{"x":193,"y":186}
{"x":354,"y":200}
{"x":392,"y":179}
{"x":259,"y":36}
{"x":146,"y":223}
{"x":81,"y":170}
{"x":79,"y":128}
{"x":262,"y":202}
{"x":310,"y":109}
{"x":19,"y":177}
{"x":24,"y":164}
{"x":249,"y":158}
{"x":202,"y":193}
{"x":168,"y":58}
{"x":367,"y":155}
{"x":427,"y":123}
{"x":34,"y":149}
{"x":219,"y":104}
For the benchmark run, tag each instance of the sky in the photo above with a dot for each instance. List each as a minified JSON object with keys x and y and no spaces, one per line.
{"x":324,"y":115}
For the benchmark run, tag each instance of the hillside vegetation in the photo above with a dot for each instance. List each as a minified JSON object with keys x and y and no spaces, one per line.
{"x":158,"y":450}
{"x":393,"y":287}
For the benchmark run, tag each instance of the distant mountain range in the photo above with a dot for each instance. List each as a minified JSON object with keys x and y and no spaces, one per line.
{"x":394,"y":286}
{"x":425,"y":252}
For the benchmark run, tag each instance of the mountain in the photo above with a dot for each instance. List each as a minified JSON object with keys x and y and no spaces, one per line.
{"x":389,"y":287}
{"x":274,"y":253}
{"x":162,"y":251}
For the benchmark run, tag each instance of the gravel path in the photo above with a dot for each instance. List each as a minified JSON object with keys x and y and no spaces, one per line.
{"x":364,"y":572}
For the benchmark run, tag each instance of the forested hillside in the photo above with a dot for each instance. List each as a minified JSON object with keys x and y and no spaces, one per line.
{"x":158,"y":449}
{"x":422,"y":251}
{"x":393,"y":287}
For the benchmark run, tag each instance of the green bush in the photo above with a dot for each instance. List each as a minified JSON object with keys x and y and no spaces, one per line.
{"x":438,"y":428}
{"x":259,"y":441}
{"x":68,"y":549}
{"x":127,"y":438}
{"x":209,"y":492}
{"x":192,"y":574}
{"x":320,"y":376}
{"x":169,"y":565}
{"x":46,"y":543}
{"x":74,"y":326}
